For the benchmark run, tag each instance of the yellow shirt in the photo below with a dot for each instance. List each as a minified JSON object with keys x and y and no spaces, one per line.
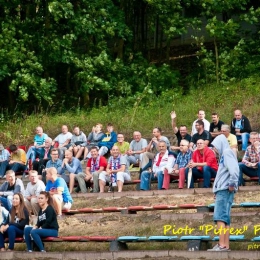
{"x":19,"y":156}
{"x":232,"y":140}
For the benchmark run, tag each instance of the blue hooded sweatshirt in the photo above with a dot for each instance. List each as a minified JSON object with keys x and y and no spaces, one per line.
{"x":228,"y":170}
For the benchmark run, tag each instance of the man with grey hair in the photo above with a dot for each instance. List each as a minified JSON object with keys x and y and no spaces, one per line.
{"x":232,"y":140}
{"x":152,"y":148}
{"x":163,"y":160}
{"x":9,"y":188}
{"x":137,"y":148}
{"x":44,"y":157}
{"x":178,"y":170}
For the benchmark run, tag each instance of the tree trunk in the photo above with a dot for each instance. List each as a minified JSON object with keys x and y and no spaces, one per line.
{"x":217,"y":60}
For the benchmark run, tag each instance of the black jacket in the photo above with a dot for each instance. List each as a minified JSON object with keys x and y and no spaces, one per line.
{"x":245,"y":124}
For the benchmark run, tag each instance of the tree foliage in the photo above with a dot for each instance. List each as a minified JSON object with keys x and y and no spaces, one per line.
{"x":80,"y":53}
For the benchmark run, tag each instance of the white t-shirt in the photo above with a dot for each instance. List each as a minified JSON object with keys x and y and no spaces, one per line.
{"x":62,"y":138}
{"x":206,"y":126}
{"x":34,"y":189}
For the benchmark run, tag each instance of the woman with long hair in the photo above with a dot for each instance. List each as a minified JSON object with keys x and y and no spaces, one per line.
{"x":15,"y":227}
{"x":47,"y":224}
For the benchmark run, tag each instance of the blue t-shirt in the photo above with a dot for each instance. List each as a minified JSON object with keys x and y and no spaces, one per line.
{"x":238,"y":124}
{"x":60,"y":183}
{"x":40,"y":139}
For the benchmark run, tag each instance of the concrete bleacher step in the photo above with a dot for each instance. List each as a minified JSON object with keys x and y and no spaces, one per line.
{"x":155,"y":209}
{"x":158,"y":208}
{"x":134,"y":254}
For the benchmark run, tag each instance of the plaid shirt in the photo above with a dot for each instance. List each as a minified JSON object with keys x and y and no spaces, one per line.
{"x":183,"y":159}
{"x":4,"y":155}
{"x":251,"y":156}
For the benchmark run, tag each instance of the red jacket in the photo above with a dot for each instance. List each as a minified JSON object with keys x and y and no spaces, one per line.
{"x":208,"y":156}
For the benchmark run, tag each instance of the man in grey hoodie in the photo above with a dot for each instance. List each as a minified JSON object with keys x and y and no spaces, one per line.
{"x":224,"y":187}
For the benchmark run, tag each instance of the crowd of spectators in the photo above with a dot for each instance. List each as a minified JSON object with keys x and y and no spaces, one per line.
{"x":54,"y":165}
{"x":157,"y":158}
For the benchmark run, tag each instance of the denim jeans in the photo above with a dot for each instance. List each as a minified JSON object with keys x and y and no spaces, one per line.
{"x":147,"y":177}
{"x":6,"y":202}
{"x":12,"y":232}
{"x":131,"y":159}
{"x":3,"y":167}
{"x":250,"y":172}
{"x":33,"y":152}
{"x":37,"y":234}
{"x":223,"y":204}
{"x":244,"y":137}
{"x":206,"y":174}
{"x":17,"y":167}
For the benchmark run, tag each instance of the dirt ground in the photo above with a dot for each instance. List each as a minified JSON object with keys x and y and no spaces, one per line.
{"x":149,"y":223}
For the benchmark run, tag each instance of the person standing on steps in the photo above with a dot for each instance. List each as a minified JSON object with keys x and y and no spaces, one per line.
{"x":224,"y":188}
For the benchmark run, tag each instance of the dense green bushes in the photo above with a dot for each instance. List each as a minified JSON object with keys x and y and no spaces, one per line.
{"x":62,"y":54}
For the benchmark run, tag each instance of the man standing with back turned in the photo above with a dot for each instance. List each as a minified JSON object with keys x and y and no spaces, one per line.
{"x":224,"y":187}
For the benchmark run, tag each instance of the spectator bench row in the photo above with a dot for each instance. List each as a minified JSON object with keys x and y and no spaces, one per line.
{"x":133,"y":182}
{"x":134,"y":209}
{"x":194,"y":243}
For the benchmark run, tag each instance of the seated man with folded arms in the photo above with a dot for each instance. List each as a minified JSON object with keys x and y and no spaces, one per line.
{"x":163,"y":159}
{"x":38,"y":145}
{"x":108,"y":140}
{"x":11,"y":186}
{"x":203,"y":164}
{"x":180,"y":164}
{"x":4,"y":159}
{"x":78,"y":138}
{"x":250,"y":165}
{"x":181,"y":133}
{"x":153,"y":148}
{"x":32,"y":191}
{"x":118,"y":166}
{"x":215,"y":125}
{"x":122,"y":144}
{"x":136,"y":149}
{"x":201,"y":134}
{"x":232,"y":140}
{"x":59,"y":191}
{"x":71,"y":165}
{"x":44,"y":157}
{"x":63,"y":140}
{"x":95,"y":165}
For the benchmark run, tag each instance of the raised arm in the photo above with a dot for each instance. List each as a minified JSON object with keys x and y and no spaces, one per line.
{"x":173,"y":117}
